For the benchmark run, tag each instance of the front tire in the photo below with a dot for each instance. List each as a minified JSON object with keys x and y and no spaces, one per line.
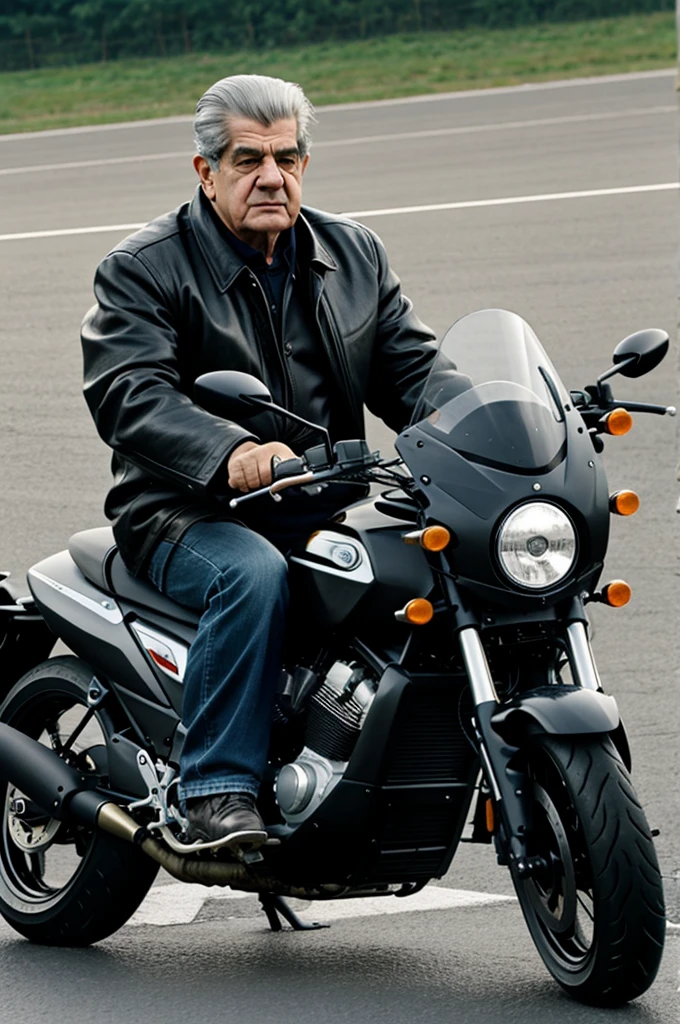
{"x":595,"y":910}
{"x":63,"y":884}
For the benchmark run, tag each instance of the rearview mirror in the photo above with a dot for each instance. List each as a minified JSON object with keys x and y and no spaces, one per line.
{"x":229,"y":393}
{"x":640,"y":352}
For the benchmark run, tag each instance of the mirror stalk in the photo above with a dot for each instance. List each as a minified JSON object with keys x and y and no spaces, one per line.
{"x":619,"y":368}
{"x":271,"y":407}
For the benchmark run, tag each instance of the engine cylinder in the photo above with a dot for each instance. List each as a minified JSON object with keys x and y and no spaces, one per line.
{"x":336,"y":714}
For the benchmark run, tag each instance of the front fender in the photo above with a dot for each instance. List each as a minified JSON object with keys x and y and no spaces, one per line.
{"x":561,"y":711}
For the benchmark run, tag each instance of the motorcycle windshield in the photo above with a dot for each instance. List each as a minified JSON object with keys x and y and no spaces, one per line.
{"x":494,"y":396}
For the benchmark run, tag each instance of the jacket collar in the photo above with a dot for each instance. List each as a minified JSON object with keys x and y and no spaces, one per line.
{"x":224,"y":262}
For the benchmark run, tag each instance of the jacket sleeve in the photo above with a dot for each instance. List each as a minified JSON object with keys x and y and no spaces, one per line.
{"x":403,"y":353}
{"x":135,"y":386}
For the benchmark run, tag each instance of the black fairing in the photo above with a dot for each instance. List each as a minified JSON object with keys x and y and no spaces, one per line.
{"x":472,"y":499}
{"x":400,"y":572}
{"x":481,"y":446}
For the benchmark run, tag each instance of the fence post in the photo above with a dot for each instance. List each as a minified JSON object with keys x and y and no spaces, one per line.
{"x":29,"y":48}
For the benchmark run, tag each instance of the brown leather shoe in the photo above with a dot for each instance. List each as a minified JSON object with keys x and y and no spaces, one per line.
{"x":226,"y":819}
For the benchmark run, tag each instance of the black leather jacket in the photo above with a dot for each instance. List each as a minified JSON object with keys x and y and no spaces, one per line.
{"x":174,"y":301}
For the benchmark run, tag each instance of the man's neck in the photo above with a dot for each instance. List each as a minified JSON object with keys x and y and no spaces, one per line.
{"x":262,"y":242}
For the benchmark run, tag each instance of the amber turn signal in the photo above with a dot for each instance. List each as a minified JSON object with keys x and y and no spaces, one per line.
{"x":616,"y":594}
{"x":432,"y":538}
{"x":624,"y":503}
{"x":618,"y":421}
{"x":418,"y":612}
{"x":490,"y":823}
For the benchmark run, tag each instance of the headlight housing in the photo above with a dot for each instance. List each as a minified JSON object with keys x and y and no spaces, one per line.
{"x":536,"y":545}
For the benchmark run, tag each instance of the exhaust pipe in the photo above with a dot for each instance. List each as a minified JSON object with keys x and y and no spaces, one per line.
{"x":44,"y":778}
{"x":57,"y":788}
{"x":117,"y":822}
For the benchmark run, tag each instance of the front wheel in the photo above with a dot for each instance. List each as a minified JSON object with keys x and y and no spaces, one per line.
{"x":595,"y":906}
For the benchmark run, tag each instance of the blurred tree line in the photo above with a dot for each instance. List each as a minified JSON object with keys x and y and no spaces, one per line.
{"x":35,"y":33}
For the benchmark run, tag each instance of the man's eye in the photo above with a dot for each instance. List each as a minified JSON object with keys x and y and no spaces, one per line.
{"x":287,"y":161}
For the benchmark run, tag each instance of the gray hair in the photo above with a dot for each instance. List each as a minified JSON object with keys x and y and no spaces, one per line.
{"x":256,"y":97}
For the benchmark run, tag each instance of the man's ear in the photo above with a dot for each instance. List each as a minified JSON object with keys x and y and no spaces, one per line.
{"x":304,"y":164}
{"x":206,"y":175}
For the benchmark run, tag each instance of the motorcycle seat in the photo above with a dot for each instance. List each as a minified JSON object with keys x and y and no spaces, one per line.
{"x":96,"y":554}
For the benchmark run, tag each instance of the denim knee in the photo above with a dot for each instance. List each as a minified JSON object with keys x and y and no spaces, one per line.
{"x":259,"y":571}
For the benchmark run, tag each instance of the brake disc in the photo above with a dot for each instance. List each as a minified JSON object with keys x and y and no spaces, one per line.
{"x":28,"y":830}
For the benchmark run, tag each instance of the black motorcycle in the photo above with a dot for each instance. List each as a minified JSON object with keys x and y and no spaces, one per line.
{"x":438,"y":680}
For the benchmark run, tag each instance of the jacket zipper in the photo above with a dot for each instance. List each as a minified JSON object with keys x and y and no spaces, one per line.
{"x":288,"y":385}
{"x":338,"y":350}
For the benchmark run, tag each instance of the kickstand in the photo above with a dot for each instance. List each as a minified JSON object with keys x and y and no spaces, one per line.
{"x":274,"y":905}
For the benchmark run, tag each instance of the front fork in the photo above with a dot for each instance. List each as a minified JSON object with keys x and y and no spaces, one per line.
{"x":509,"y":786}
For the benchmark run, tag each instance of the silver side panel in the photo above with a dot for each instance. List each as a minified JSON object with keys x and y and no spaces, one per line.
{"x":106,"y":608}
{"x":91,"y":623}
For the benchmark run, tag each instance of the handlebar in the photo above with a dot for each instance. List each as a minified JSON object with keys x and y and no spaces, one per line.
{"x":353,"y":459}
{"x":660,"y":410}
{"x":595,"y":402}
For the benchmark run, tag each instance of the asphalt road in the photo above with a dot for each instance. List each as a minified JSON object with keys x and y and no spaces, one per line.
{"x":585,"y":271}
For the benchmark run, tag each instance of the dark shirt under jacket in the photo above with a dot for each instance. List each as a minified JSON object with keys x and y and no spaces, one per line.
{"x":297,"y":346}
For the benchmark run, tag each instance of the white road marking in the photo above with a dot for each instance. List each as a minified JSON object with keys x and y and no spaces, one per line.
{"x":512,"y":200}
{"x":63,"y":232}
{"x":358,"y":140}
{"x":179,"y":903}
{"x":567,"y":83}
{"x":108,"y":162}
{"x":474,"y":129}
{"x":393,"y":211}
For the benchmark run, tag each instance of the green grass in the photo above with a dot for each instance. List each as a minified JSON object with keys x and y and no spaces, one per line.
{"x":338,"y":72}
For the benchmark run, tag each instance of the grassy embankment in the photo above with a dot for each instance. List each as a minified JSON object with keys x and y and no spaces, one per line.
{"x":339,"y":72}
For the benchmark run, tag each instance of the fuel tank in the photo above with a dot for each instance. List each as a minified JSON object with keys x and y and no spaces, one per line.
{"x":359,"y":569}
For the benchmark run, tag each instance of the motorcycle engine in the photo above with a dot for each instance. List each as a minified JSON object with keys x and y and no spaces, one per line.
{"x":336,"y":715}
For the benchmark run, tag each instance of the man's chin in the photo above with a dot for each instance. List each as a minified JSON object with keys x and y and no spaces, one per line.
{"x":275,"y":218}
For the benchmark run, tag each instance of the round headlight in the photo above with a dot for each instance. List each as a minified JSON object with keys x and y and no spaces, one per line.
{"x":537,"y":545}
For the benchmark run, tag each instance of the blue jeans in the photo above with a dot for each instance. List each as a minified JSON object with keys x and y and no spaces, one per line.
{"x":238,"y":579}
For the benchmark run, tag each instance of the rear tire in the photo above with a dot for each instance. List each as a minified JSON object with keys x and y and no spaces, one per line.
{"x":77,"y":885}
{"x":596,"y":911}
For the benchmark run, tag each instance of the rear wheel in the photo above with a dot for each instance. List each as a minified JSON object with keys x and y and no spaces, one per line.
{"x":595,"y":908}
{"x":63,"y":884}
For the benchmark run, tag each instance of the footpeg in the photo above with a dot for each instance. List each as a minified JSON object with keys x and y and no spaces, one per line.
{"x":248,"y":856}
{"x":233,"y":842}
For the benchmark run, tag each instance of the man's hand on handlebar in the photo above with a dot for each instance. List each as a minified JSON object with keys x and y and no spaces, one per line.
{"x":258,"y":469}
{"x":250,"y":465}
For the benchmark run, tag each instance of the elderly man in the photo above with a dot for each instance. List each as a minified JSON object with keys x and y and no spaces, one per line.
{"x":242,"y":277}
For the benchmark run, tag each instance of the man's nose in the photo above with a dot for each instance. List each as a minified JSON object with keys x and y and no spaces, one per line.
{"x":270,"y":176}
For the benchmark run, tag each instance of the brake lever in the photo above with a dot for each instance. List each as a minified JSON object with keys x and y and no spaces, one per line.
{"x":597,"y":400}
{"x":273,"y":489}
{"x":659,"y":410}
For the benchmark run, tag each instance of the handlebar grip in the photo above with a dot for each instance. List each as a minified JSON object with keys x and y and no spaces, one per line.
{"x":306,"y":477}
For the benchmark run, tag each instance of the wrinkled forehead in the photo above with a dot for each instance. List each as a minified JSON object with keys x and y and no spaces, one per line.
{"x":245,"y":133}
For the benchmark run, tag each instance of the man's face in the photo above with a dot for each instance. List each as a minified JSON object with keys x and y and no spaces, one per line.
{"x":258,"y":188}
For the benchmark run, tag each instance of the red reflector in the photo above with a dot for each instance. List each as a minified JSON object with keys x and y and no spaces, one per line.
{"x":162,"y":662}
